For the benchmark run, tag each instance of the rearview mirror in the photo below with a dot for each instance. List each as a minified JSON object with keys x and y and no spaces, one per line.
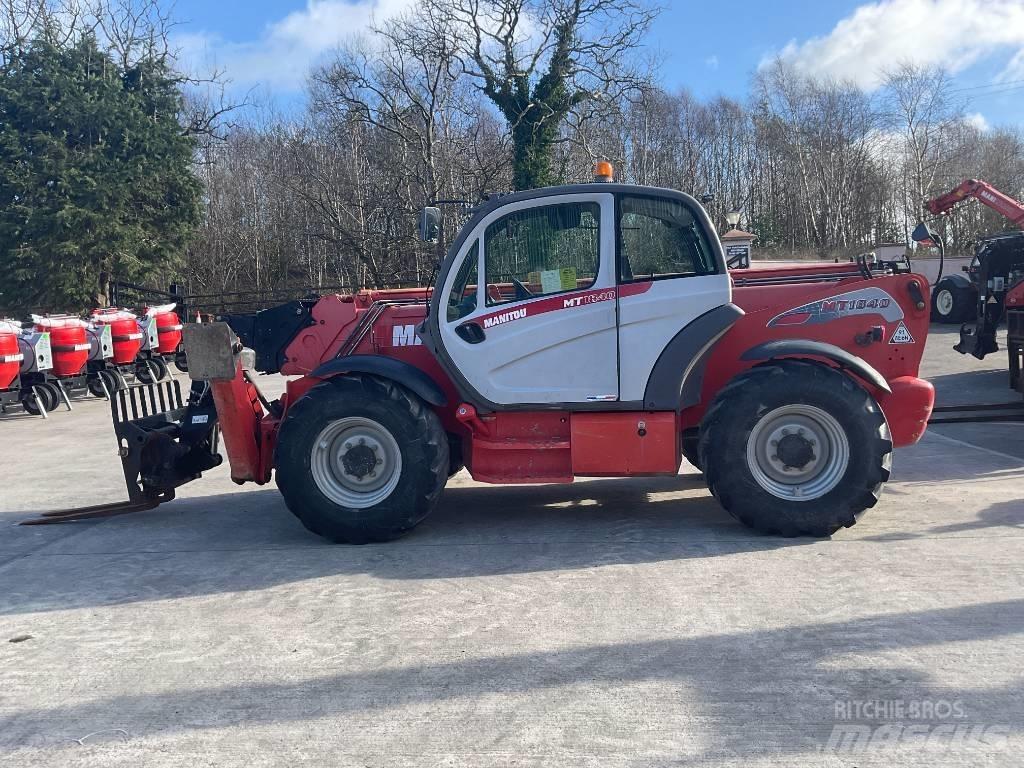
{"x":430,"y":224}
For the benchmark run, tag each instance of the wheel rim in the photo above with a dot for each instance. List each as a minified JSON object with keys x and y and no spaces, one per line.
{"x":356,"y":462}
{"x":944,"y":302}
{"x":798,"y":452}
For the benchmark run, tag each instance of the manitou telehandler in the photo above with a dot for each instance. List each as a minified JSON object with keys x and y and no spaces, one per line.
{"x":588,"y":330}
{"x":992,"y":288}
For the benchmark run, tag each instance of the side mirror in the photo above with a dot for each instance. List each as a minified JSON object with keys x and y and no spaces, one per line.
{"x":430,"y":224}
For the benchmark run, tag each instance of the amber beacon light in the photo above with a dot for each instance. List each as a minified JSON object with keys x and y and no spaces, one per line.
{"x":603,"y":171}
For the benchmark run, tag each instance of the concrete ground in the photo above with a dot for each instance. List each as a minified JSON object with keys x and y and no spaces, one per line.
{"x":607,"y":623}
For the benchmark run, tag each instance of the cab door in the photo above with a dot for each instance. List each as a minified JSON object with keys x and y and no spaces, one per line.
{"x":529,"y":314}
{"x":671,"y":272}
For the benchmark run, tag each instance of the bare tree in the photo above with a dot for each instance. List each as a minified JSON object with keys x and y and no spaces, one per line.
{"x":539,"y":61}
{"x":921,"y":109}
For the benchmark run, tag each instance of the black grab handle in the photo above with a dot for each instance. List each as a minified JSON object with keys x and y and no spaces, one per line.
{"x":471,"y":332}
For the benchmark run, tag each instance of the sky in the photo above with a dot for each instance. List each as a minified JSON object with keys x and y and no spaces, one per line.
{"x":709,"y":48}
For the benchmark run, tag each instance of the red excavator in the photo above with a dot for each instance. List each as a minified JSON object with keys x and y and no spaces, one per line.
{"x":994,"y":282}
{"x":587,"y":330}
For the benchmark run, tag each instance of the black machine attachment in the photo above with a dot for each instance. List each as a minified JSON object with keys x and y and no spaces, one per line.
{"x":163,"y":441}
{"x":998,"y":265}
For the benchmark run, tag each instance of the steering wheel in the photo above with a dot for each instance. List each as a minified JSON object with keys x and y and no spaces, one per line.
{"x":522,"y":292}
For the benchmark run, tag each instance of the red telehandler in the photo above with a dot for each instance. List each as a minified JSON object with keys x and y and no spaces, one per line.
{"x":994,"y":284}
{"x":587,"y":330}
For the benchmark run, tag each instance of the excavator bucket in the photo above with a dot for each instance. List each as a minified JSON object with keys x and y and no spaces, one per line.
{"x":164,"y":441}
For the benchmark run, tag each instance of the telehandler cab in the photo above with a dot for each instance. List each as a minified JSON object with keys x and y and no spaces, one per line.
{"x":587,"y":330}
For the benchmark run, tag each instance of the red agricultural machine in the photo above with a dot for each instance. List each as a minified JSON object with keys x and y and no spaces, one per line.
{"x":991,"y":290}
{"x":11,"y":357}
{"x":588,"y":330}
{"x":132,"y":347}
{"x":60,"y":354}
{"x":55,"y":351}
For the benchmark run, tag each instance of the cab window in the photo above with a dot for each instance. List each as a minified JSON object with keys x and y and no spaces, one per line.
{"x":542,"y":251}
{"x":660,"y":238}
{"x":462,"y":297}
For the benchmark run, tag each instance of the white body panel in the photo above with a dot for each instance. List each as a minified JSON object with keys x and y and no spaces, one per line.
{"x":552,"y":353}
{"x":552,"y":358}
{"x":649,"y":320}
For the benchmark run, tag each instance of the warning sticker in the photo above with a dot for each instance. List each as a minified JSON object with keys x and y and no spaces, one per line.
{"x":901,"y":335}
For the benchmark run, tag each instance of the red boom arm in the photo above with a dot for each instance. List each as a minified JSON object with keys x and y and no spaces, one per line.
{"x":989,"y":195}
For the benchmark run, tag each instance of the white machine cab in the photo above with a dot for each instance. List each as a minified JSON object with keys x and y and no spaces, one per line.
{"x":571,"y":295}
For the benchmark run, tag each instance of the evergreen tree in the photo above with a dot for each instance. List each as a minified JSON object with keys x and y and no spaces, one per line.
{"x":96,"y":176}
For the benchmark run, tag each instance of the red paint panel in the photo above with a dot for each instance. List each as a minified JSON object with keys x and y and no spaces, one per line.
{"x":239,"y":413}
{"x":763,"y":303}
{"x":1015,"y":296}
{"x":517,"y":447}
{"x":908,"y":408}
{"x":623,"y":444}
{"x":70,"y":348}
{"x":10,"y":359}
{"x":168,"y":328}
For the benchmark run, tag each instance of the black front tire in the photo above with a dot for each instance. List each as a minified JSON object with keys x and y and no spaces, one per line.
{"x":953,"y":302}
{"x":750,"y":397}
{"x":414,"y":426}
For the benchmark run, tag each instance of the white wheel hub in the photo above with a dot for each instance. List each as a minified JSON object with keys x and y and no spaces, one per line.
{"x":798,"y":452}
{"x":356,"y":462}
{"x":944,"y":302}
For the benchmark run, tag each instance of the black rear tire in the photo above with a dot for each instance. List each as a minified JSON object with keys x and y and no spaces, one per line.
{"x":112,"y":379}
{"x":690,"y":445}
{"x":162,"y":371}
{"x":147,"y":371}
{"x":181,"y":361}
{"x":953,"y":302}
{"x":96,"y":383}
{"x":54,"y":395}
{"x":412,"y":424}
{"x":752,"y":397}
{"x":49,"y":396}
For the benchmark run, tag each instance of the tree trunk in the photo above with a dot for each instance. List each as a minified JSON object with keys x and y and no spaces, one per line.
{"x":532,"y":147}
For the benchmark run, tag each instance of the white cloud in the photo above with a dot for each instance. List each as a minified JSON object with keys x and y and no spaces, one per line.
{"x":711,"y":62}
{"x":978,"y":121}
{"x":878,"y":35}
{"x":281,"y":57}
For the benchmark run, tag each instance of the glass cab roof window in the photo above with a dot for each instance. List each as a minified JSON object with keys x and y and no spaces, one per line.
{"x":660,"y":238}
{"x":542,"y":251}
